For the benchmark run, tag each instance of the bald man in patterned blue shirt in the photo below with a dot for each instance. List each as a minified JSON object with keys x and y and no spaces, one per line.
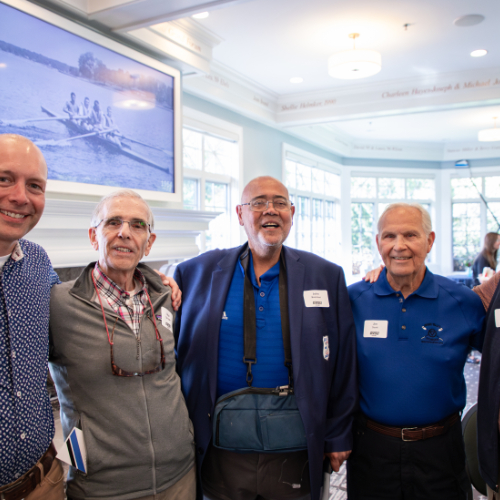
{"x":28,"y":468}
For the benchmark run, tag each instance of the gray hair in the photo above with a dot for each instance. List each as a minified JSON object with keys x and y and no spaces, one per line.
{"x":426,"y":218}
{"x":120,"y":193}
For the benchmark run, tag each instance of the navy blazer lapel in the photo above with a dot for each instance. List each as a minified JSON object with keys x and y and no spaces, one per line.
{"x":221,"y":281}
{"x":295,"y":271}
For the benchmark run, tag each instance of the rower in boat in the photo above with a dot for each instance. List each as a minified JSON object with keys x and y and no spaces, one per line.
{"x":96,"y":118}
{"x":110,"y":125}
{"x":71,"y":107}
{"x":84,"y":112}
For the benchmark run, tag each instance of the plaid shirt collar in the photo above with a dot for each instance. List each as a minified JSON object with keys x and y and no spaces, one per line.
{"x":130,"y":308}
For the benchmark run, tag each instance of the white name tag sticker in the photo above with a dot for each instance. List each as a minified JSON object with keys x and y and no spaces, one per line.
{"x":376,"y":329}
{"x":497,"y":318}
{"x":316,"y":298}
{"x":166,"y":318}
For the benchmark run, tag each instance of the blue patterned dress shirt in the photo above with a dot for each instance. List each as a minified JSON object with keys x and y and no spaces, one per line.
{"x":26,"y":420}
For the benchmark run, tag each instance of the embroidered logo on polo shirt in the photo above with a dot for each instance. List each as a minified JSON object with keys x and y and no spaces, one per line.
{"x":432,"y":336}
{"x":224,"y":316}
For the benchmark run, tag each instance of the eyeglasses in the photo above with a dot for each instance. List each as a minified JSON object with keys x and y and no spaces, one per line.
{"x":115,"y":369}
{"x":279,"y":204}
{"x":119,"y":372}
{"x":137,"y":226}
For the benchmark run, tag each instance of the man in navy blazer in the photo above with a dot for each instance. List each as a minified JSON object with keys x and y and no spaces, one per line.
{"x":209,"y":335}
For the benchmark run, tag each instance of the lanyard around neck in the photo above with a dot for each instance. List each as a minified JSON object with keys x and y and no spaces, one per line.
{"x":249,"y":320}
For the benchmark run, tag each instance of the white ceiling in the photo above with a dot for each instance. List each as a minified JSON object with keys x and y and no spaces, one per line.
{"x":269,"y":41}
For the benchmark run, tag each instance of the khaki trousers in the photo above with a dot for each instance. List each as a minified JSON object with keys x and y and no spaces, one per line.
{"x":491,"y":494}
{"x":184,"y":489}
{"x":52,"y":485}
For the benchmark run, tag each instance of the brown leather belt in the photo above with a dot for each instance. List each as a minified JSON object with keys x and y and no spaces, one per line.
{"x":414,"y":433}
{"x":29,"y":481}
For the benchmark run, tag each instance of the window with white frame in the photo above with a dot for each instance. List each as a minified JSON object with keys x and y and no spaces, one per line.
{"x":370,"y":195}
{"x":314,"y":188}
{"x":471,"y":217}
{"x":211,"y":169}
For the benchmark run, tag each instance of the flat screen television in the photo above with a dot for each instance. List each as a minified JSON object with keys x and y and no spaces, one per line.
{"x":105,"y":116}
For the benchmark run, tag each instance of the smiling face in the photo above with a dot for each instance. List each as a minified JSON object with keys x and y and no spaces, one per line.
{"x":120,"y":250}
{"x":403,"y":246}
{"x":270,"y":228}
{"x":23,"y":177}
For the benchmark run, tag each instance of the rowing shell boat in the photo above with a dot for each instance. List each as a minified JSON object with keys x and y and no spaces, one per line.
{"x":115,"y":147}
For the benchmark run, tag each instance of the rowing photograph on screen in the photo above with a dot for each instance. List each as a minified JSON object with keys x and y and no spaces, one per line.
{"x":99,"y":117}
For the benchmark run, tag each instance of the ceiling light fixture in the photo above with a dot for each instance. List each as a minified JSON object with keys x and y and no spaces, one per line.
{"x":469,"y":20}
{"x":201,"y":15}
{"x":489,"y":134}
{"x":479,"y":53}
{"x":355,"y":63}
{"x":296,"y":79}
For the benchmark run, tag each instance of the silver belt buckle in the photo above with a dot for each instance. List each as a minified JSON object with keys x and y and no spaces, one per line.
{"x":407,"y":429}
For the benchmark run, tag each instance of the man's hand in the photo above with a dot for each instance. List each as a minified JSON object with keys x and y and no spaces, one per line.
{"x":374,"y":274}
{"x":337,"y":458}
{"x":176,"y":292}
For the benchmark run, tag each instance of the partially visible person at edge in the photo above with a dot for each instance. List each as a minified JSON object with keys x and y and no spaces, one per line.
{"x":488,"y":417}
{"x":413,"y":330}
{"x":28,"y":468}
{"x":487,"y":257}
{"x":113,"y":363}
{"x":210,"y":350}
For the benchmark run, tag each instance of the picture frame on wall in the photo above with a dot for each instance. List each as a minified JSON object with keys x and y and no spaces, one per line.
{"x":104,"y":115}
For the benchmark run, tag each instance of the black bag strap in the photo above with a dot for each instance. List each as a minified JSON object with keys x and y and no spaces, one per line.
{"x":249,"y":321}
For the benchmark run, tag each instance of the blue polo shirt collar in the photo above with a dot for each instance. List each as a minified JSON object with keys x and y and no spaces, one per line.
{"x":427,"y":289}
{"x":269,"y":275}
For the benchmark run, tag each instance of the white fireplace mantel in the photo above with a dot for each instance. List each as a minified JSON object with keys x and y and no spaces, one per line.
{"x":63,"y":232}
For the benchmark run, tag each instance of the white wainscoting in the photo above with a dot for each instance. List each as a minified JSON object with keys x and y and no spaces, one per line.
{"x":63,"y":232}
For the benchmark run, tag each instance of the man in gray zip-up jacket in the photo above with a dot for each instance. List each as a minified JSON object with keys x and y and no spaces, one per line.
{"x":113,"y":363}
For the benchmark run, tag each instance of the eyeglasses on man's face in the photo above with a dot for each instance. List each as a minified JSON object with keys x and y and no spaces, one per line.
{"x":137,"y":226}
{"x":119,"y":372}
{"x":261,"y":204}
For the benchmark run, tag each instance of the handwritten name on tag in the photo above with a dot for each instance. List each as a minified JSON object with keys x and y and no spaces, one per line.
{"x":316,"y":298}
{"x":166,"y":318}
{"x":375,"y":329}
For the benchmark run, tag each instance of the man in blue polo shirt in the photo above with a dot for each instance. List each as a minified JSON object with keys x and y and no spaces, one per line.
{"x":212,"y":325}
{"x":413,"y":332}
